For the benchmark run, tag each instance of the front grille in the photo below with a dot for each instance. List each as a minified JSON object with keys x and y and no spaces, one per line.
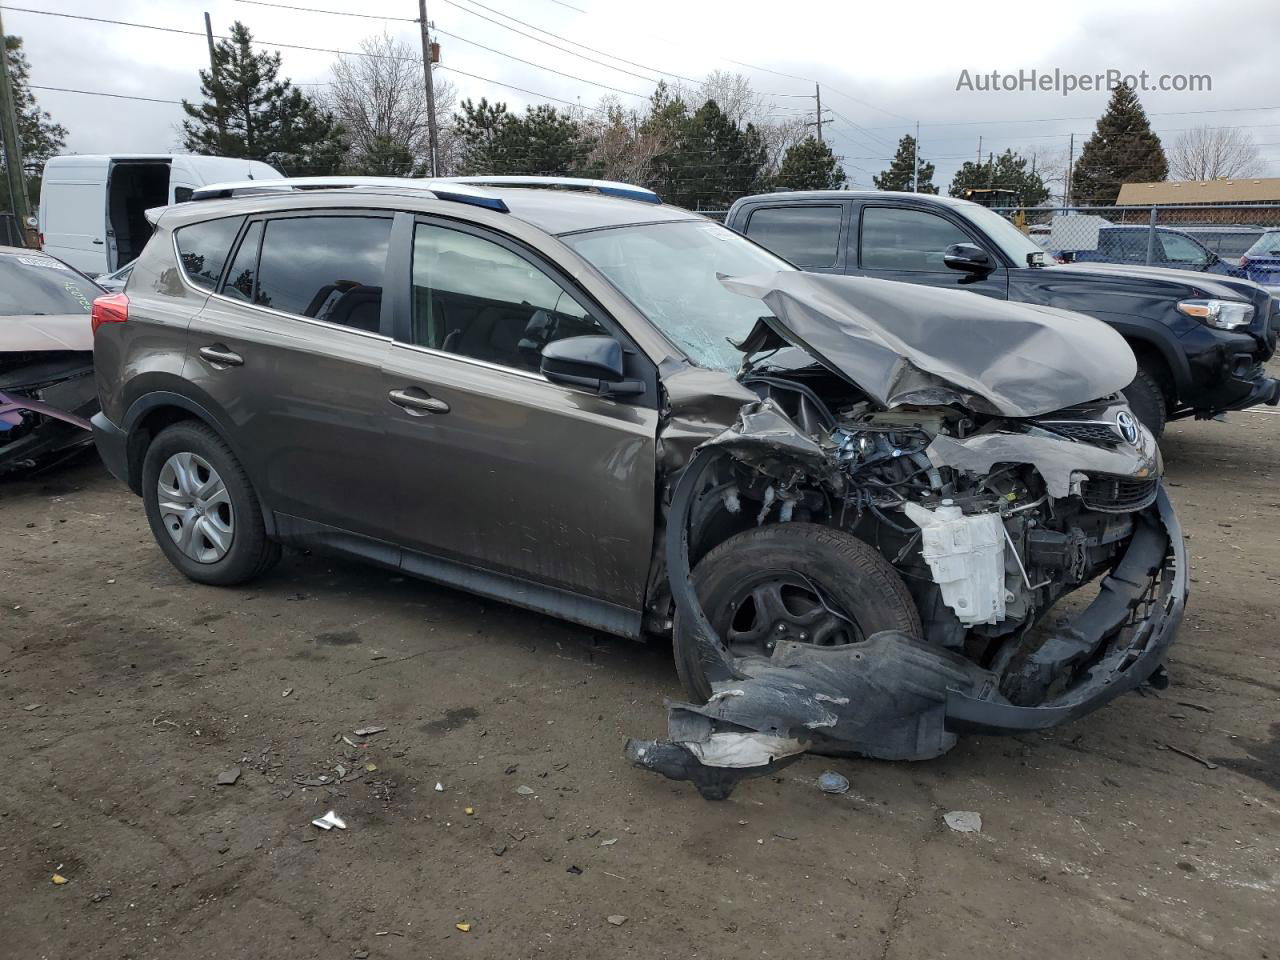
{"x":1119,"y":494}
{"x":1086,"y":431}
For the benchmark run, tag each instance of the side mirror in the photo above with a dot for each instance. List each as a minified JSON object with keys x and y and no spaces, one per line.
{"x":594,"y":364}
{"x":968,"y":257}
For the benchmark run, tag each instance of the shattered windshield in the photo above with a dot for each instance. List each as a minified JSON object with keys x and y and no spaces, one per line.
{"x":669,"y":271}
{"x":33,"y":284}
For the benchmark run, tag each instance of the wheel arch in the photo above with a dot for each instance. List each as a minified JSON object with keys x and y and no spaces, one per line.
{"x":153,"y":412}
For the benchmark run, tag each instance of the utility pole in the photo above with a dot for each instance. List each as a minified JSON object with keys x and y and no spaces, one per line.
{"x":12,"y":146}
{"x":432,"y":143}
{"x":213,"y":78}
{"x":817,"y":95}
{"x":979,"y":149}
{"x":1071,"y":156}
{"x":915,"y":161}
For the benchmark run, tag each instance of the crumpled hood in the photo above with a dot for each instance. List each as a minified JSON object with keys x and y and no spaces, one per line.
{"x":46,"y":332}
{"x":904,"y":343}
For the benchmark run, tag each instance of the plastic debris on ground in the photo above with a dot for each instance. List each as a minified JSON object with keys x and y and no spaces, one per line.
{"x":617,"y":919}
{"x":963,"y":821}
{"x":228,"y":777}
{"x":329,"y":821}
{"x":464,"y":927}
{"x":524,"y":791}
{"x":368,"y":731}
{"x":832,"y":782}
{"x":59,"y":880}
{"x":439,"y":787}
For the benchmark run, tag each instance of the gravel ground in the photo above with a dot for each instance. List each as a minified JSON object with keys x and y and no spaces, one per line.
{"x":127,"y":691}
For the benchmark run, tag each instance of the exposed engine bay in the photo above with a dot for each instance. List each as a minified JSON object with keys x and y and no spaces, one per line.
{"x":982,"y":510}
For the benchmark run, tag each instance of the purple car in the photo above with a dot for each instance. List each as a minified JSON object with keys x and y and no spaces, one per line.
{"x":1261,"y":262}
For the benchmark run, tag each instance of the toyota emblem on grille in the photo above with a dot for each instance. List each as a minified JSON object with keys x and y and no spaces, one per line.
{"x":1128,"y":427}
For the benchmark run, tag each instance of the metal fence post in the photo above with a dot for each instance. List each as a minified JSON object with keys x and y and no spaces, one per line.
{"x":1151,"y":237}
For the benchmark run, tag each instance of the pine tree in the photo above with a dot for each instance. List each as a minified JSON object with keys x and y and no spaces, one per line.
{"x":902,"y":172}
{"x":810,"y":165}
{"x":1005,"y":172}
{"x":712,"y":162}
{"x":382,"y":156}
{"x":478,"y":126}
{"x":248,"y":112}
{"x":39,"y":137}
{"x":1123,"y":149}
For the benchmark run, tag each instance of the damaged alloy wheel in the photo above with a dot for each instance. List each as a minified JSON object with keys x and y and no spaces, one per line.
{"x":792,"y":582}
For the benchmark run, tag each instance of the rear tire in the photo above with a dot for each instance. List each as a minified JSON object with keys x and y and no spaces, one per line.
{"x":1147,"y":400}
{"x":202,"y":509}
{"x":850,"y":575}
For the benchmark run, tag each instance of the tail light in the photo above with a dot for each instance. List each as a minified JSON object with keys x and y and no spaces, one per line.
{"x":113,"y":308}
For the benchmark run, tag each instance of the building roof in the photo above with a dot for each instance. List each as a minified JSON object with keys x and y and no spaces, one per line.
{"x":1243,"y":190}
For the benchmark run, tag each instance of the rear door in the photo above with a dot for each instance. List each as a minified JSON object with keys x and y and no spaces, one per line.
{"x":907,"y":244}
{"x":810,"y":234}
{"x":496,"y":467}
{"x":73,"y":213}
{"x":291,"y":349}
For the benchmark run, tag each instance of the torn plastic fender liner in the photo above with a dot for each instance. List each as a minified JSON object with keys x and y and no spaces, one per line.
{"x":882,"y":698}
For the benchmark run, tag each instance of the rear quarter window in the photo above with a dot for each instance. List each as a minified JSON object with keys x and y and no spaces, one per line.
{"x":203,"y":249}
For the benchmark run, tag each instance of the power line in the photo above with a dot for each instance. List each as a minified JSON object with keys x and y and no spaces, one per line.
{"x":336,"y":13}
{"x":603,"y":53}
{"x":100,"y":93}
{"x":295,"y":46}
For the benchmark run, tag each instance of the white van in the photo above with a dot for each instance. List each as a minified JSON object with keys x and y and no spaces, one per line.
{"x":91,"y":206}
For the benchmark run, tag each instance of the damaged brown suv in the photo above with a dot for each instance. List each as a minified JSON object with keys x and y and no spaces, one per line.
{"x":853,"y":503}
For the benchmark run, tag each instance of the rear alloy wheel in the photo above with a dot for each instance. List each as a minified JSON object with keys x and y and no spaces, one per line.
{"x":792,"y":582}
{"x":202,"y":509}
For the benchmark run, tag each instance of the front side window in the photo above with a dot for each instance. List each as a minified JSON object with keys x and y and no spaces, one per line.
{"x":329,"y":268}
{"x":203,"y":249}
{"x":807,"y":236}
{"x":476,"y":298}
{"x":897,"y":239}
{"x":1267,"y":245}
{"x":1180,"y":249}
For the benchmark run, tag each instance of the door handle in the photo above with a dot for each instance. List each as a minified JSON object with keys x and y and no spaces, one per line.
{"x":416,"y":401}
{"x":98,"y":242}
{"x":218,"y":355}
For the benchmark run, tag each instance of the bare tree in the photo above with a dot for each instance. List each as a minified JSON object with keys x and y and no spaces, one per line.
{"x":1210,"y":153}
{"x":623,"y":145}
{"x":733,"y":95}
{"x":381,"y":100}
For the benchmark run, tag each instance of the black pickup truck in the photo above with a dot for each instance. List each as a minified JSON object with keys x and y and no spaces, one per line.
{"x":1201,"y":341}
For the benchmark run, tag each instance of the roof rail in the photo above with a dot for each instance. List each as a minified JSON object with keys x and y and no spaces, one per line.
{"x":443,"y":189}
{"x":611,"y":188}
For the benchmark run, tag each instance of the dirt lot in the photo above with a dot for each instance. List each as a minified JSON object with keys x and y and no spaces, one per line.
{"x":127,"y":690}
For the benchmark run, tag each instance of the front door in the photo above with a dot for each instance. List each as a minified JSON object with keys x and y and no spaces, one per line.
{"x":906,"y":244}
{"x":291,"y":351}
{"x":496,"y":467}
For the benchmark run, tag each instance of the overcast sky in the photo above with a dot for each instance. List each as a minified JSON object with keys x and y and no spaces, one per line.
{"x":883,"y":66}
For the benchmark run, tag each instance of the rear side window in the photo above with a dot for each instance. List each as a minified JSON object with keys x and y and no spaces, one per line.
{"x":243,"y":272}
{"x":329,"y":268}
{"x":203,"y":249}
{"x":807,"y":236}
{"x":897,"y":239}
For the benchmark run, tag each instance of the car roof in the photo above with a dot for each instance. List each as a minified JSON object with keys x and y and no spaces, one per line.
{"x":786,"y":196}
{"x":551,"y":210}
{"x":570,"y":211}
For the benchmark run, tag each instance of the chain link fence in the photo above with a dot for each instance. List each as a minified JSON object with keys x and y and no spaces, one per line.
{"x":1214,"y":238}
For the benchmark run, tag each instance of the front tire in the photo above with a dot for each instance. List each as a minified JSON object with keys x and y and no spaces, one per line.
{"x":1147,"y":401}
{"x":202,"y":509}
{"x":801,"y":582}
